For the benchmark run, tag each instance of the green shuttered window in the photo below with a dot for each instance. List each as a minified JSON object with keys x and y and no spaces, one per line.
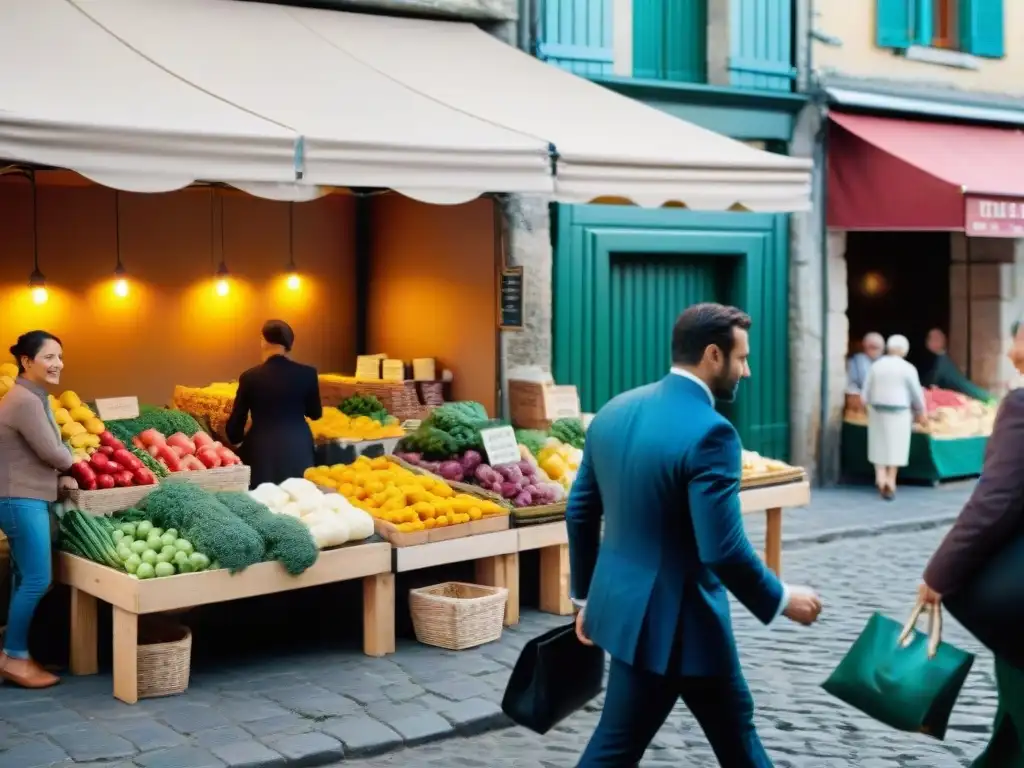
{"x":761,"y":36}
{"x":971,"y":26}
{"x":670,"y":40}
{"x":577,"y":35}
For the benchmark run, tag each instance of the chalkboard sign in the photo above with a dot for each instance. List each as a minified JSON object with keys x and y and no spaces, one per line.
{"x":510,"y":311}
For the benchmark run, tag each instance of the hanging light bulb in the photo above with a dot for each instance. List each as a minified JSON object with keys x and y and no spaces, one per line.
{"x":120,"y":281}
{"x":294,"y":282}
{"x":120,"y":273}
{"x":36,"y":281}
{"x":223,"y":284}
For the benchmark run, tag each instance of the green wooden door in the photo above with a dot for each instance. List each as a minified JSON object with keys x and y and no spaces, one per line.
{"x":647,"y":293}
{"x":623,"y":274}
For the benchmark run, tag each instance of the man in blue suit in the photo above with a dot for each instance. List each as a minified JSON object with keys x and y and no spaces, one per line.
{"x":661,"y":469}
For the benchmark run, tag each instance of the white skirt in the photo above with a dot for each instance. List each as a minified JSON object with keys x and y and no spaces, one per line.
{"x":889,"y":437}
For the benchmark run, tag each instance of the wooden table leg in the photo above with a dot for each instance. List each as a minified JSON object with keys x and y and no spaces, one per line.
{"x":379,"y":614}
{"x":554,"y":580}
{"x":84,"y":633}
{"x":773,"y":541}
{"x":126,"y":656}
{"x":512,"y":585}
{"x":502,"y":571}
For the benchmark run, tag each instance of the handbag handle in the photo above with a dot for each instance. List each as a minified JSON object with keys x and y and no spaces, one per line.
{"x":934,"y":627}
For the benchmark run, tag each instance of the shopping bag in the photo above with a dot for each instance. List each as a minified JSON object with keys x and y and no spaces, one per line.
{"x":902,"y":677}
{"x":554,"y":676}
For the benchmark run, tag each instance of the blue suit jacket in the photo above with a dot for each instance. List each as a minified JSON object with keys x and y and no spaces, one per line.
{"x":662,"y":469}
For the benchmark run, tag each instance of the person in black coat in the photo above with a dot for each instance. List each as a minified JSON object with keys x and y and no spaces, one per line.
{"x":280,"y":394}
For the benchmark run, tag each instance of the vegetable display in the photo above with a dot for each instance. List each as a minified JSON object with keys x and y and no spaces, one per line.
{"x":207,"y":523}
{"x":128,"y":543}
{"x":111,"y":466}
{"x":396,"y":495}
{"x":338,"y":425}
{"x":560,"y":461}
{"x":285,"y":539}
{"x":450,"y":430}
{"x":569,"y":431}
{"x":166,"y":421}
{"x":329,"y":518}
{"x":949,"y":415}
{"x":364,"y":405}
{"x":181,"y":453}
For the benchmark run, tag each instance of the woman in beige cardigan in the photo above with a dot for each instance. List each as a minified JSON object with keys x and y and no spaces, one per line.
{"x":32,"y":456}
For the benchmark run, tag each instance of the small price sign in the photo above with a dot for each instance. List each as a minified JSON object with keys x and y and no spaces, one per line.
{"x":500,"y":445}
{"x":115,"y":408}
{"x":562,"y":403}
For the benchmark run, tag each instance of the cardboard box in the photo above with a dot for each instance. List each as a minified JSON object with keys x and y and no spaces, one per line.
{"x":535,"y":405}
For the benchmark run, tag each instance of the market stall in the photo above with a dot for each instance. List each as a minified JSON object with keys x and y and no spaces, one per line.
{"x":951,"y":446}
{"x":187,"y":532}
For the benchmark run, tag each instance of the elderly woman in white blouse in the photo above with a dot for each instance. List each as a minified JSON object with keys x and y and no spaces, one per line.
{"x":894,"y":398}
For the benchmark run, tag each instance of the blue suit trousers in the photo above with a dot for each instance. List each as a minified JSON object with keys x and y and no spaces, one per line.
{"x":638,"y":702}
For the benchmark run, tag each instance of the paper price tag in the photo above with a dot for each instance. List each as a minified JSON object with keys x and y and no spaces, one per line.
{"x":115,"y":408}
{"x":562,"y":402}
{"x":500,"y":445}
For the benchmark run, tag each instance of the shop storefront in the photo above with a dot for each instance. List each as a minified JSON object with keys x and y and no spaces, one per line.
{"x":929,"y":219}
{"x":212,"y":164}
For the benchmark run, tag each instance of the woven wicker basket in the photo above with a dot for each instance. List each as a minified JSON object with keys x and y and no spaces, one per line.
{"x":456,"y":616}
{"x":400,"y":398}
{"x":234,"y":478}
{"x":110,"y":500}
{"x":165,"y":658}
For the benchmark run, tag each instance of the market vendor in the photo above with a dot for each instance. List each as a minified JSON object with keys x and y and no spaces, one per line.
{"x":938,"y":370}
{"x":857,"y":369}
{"x":279,"y":395}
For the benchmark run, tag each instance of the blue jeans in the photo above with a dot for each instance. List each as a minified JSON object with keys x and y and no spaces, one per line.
{"x":26,"y":523}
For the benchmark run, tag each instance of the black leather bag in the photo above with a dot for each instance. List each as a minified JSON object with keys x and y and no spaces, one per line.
{"x":554,"y":676}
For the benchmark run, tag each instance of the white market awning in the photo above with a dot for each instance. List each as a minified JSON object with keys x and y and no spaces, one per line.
{"x":72,"y":96}
{"x":608,"y":146}
{"x":360,"y":128}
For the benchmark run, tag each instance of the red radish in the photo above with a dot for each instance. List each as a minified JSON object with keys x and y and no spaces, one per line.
{"x":192,"y":464}
{"x":178,"y":450}
{"x":108,"y":439}
{"x":124,"y":479}
{"x":169,"y":458}
{"x":151,"y":437}
{"x":127,"y":459}
{"x":104,"y":482}
{"x":83,"y":473}
{"x":208,"y":456}
{"x":100,"y":462}
{"x":143,"y":476}
{"x":201,"y":440}
{"x":106,"y":450}
{"x":180,"y":440}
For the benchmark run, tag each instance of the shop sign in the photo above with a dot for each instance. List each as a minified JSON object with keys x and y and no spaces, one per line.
{"x":510,"y":297}
{"x":994,"y":216}
{"x":500,"y":445}
{"x":116,"y":408}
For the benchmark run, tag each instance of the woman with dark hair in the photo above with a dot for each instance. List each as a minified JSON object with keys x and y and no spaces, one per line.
{"x":279,"y":395}
{"x":32,"y":456}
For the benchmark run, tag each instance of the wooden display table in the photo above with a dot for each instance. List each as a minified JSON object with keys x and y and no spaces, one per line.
{"x":131,"y":598}
{"x":496,"y":556}
{"x":553,"y":542}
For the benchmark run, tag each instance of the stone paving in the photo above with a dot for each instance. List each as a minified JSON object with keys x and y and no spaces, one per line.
{"x":800,"y":725}
{"x":319,"y":707}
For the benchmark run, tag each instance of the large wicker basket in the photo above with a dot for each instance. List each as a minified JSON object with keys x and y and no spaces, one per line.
{"x":456,"y":616}
{"x":234,"y":478}
{"x":110,"y":499}
{"x":165,"y":658}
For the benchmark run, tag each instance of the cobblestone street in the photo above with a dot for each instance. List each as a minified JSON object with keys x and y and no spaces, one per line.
{"x":799,"y":723}
{"x":315,"y":707}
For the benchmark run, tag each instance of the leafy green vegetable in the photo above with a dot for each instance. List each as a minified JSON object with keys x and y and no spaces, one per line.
{"x":211,"y":527}
{"x":166,"y":421}
{"x":569,"y":431}
{"x":533,"y":439}
{"x":364,"y":405}
{"x":450,"y":430}
{"x":286,"y":538}
{"x":148,"y":461}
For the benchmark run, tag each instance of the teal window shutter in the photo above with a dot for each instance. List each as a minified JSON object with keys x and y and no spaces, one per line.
{"x":670,"y":40}
{"x":761,"y":44}
{"x":982,"y":28}
{"x":576,"y":35}
{"x":894,"y":21}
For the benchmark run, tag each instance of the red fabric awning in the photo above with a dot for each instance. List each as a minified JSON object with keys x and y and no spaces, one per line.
{"x":887,"y":174}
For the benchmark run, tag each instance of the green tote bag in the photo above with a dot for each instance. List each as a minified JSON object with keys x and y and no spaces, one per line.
{"x":902,"y":677}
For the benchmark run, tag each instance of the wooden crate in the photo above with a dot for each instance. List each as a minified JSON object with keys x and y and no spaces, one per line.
{"x":397,"y":538}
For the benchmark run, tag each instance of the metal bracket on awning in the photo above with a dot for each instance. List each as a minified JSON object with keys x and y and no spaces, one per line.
{"x":300,"y":157}
{"x":553,"y":155}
